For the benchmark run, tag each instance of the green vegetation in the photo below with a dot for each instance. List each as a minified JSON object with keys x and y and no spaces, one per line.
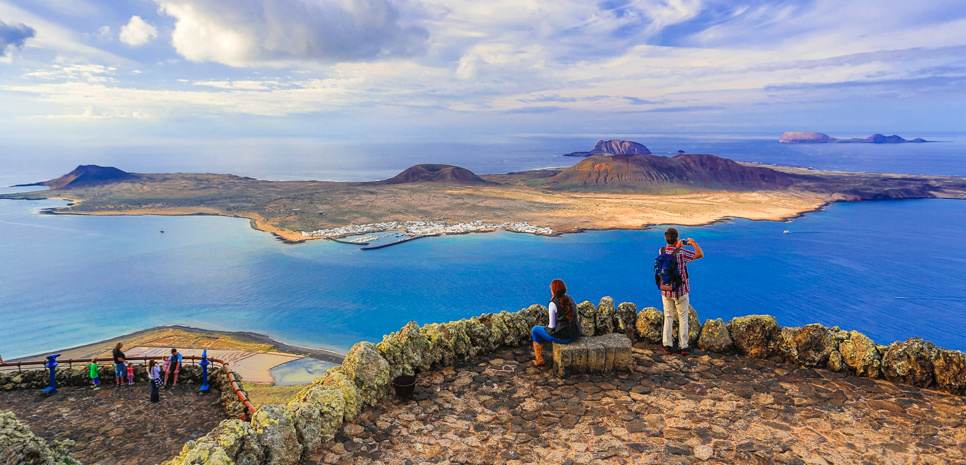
{"x":264,"y":394}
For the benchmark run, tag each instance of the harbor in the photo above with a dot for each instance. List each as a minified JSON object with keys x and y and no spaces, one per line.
{"x":371,"y":236}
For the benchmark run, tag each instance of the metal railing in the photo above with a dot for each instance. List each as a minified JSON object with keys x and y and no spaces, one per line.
{"x":249,"y":408}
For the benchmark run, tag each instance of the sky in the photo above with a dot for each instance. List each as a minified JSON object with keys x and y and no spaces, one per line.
{"x":450,"y":69}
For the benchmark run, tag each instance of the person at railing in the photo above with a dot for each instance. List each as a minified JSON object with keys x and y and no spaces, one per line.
{"x":174,"y":366}
{"x":154,"y":379}
{"x":95,"y":377}
{"x":119,"y":362}
{"x":130,"y":373}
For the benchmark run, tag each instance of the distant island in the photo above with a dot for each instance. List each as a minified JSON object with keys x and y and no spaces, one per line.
{"x":808,"y":137}
{"x":613,"y":147}
{"x":610,"y":191}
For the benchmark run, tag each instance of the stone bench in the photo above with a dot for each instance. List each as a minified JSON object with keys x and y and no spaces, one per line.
{"x":597,"y":354}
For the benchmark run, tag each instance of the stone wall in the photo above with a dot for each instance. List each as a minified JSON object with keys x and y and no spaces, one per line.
{"x":282,"y":434}
{"x":19,"y":445}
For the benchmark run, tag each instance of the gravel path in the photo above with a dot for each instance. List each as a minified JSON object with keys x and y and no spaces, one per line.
{"x":118,"y":425}
{"x":670,"y":409}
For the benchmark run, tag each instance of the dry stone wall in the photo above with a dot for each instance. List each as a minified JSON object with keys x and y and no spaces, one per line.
{"x":282,"y":434}
{"x":19,"y":445}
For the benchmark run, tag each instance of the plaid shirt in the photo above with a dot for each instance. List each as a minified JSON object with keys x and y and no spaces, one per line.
{"x":684,"y":257}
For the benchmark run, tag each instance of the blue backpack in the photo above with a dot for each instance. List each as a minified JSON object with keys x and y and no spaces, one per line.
{"x":667,"y":276}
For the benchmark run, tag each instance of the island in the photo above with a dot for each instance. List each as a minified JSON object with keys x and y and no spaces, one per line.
{"x":613,"y":147}
{"x":599,"y":192}
{"x":808,"y":137}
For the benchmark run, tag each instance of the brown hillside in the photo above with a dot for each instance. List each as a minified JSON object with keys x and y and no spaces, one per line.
{"x":652,"y":173}
{"x":437,"y":173}
{"x":89,"y":175}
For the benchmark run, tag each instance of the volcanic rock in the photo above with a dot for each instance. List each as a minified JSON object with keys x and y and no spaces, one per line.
{"x":625,"y":320}
{"x":275,"y":429}
{"x":754,"y":335}
{"x":403,"y":350}
{"x":715,"y":337}
{"x":650,"y":325}
{"x":337,"y":380}
{"x":604,"y":319}
{"x":613,"y":147}
{"x":588,"y":318}
{"x":808,"y":346}
{"x":950,"y":371}
{"x":910,"y":362}
{"x":369,"y":371}
{"x":860,"y":354}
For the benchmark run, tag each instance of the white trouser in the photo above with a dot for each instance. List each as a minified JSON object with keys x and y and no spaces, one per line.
{"x":676,"y":307}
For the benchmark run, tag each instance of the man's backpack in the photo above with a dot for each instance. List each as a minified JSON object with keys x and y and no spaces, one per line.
{"x":667,"y":276}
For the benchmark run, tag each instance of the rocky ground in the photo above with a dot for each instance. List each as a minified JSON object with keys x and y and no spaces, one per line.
{"x":118,"y":425}
{"x":670,"y":409}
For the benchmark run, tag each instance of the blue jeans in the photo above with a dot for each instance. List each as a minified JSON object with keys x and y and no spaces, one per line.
{"x":120,"y":370}
{"x":540,"y":334}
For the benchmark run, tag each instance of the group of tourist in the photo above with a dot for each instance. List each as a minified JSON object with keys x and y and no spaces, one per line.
{"x":671,"y":278}
{"x":124,"y":371}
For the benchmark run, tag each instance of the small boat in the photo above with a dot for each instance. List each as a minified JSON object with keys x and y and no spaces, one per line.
{"x":162,"y":231}
{"x":786,"y":231}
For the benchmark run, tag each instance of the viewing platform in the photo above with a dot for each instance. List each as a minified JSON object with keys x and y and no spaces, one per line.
{"x":749,"y":392}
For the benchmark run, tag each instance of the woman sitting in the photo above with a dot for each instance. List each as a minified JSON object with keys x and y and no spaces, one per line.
{"x":564,"y":326}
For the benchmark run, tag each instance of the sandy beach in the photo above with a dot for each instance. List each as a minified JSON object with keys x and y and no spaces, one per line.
{"x":564,"y":213}
{"x":252,"y":355}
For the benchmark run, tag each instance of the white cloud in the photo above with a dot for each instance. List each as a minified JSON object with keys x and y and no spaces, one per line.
{"x":597,"y":58}
{"x":90,"y":113}
{"x":239,"y":85}
{"x":75,"y":72}
{"x":251,"y":32}
{"x":137,"y":32}
{"x":104,"y":33}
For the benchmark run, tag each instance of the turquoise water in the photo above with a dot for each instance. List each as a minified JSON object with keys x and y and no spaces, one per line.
{"x":892,"y":270}
{"x":301,"y":371}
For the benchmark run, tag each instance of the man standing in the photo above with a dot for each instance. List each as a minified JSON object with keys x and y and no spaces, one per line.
{"x":676,"y":300}
{"x":119,"y":362}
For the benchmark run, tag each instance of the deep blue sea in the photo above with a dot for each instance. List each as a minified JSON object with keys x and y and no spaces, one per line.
{"x":892,"y":270}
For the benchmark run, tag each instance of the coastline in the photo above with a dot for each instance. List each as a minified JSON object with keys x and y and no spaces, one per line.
{"x":83,"y":350}
{"x":749,"y":208}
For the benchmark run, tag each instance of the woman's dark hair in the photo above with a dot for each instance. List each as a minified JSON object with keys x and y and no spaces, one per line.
{"x":559,"y":291}
{"x":152,"y":364}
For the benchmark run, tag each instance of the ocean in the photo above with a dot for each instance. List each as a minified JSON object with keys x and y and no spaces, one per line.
{"x":892,"y":270}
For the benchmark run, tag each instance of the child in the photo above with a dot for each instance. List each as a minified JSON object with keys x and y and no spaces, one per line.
{"x":95,"y":377}
{"x":130,"y":374}
{"x":154,"y":374}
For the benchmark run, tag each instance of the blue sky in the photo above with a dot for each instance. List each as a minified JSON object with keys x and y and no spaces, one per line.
{"x":386,"y":69}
